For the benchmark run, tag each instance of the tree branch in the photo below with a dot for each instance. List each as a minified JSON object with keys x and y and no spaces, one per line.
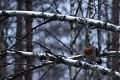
{"x":33,"y":14}
{"x":71,"y":62}
{"x":14,"y":76}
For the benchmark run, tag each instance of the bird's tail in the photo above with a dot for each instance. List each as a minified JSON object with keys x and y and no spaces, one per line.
{"x":99,"y":61}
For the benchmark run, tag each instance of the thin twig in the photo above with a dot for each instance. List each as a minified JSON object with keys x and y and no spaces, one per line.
{"x":77,"y":74}
{"x":14,"y":76}
{"x":4,"y":19}
{"x":57,"y":39}
{"x":46,"y":72}
{"x":30,"y":32}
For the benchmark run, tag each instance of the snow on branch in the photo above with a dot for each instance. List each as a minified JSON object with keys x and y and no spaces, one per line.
{"x":41,"y":56}
{"x":92,"y":22}
{"x":64,"y":60}
{"x":44,"y":56}
{"x":110,"y":53}
{"x":85,"y":65}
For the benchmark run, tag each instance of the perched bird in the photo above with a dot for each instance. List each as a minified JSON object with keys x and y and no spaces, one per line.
{"x":92,"y":54}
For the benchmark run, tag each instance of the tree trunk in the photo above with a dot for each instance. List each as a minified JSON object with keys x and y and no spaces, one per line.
{"x":115,"y":36}
{"x":108,"y":41}
{"x":29,"y":37}
{"x":18,"y":37}
{"x":98,"y":30}
{"x":3,"y":44}
{"x":90,"y":13}
{"x":72,"y":42}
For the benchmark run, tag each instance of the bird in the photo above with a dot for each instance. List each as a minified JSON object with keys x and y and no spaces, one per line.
{"x":92,"y":54}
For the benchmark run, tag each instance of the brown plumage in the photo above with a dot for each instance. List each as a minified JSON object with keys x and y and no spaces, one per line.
{"x":92,"y":54}
{"x":88,"y":51}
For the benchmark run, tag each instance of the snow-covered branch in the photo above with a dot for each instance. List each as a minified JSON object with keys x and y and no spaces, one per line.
{"x":44,"y":55}
{"x":85,"y":65}
{"x":66,"y":60}
{"x":41,"y":56}
{"x":93,"y":23}
{"x":110,"y":53}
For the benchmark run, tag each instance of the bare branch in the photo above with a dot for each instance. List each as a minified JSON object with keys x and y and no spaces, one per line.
{"x":71,"y":62}
{"x":14,"y":76}
{"x":44,"y":56}
{"x":110,"y":53}
{"x":33,"y":14}
{"x":85,"y":65}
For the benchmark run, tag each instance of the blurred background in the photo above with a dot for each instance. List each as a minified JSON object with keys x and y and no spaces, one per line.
{"x":21,"y":32}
